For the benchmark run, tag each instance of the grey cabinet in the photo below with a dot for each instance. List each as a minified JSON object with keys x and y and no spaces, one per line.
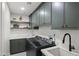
{"x":18,"y":45}
{"x":42,"y":15}
{"x":47,"y":13}
{"x":60,"y":15}
{"x":65,"y":15}
{"x":72,"y":15}
{"x":37,"y":18}
{"x":57,"y":16}
{"x":33,"y":20}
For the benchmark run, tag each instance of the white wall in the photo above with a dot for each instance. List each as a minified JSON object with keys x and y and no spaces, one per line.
{"x":5,"y":28}
{"x":20,"y":33}
{"x":0,"y":30}
{"x":7,"y":33}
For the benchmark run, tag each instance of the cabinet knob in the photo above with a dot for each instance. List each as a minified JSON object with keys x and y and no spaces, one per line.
{"x":65,"y":26}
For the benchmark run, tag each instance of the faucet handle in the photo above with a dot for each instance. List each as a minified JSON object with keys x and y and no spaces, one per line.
{"x":72,"y":47}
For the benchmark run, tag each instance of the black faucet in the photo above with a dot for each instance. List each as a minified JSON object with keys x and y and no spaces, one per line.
{"x":70,"y":46}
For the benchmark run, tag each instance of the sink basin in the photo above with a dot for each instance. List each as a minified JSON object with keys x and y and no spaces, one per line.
{"x":58,"y":51}
{"x":37,"y":43}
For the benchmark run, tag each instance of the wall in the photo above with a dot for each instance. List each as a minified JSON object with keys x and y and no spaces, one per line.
{"x":0,"y":29}
{"x":20,"y":33}
{"x":46,"y":31}
{"x":8,"y":34}
{"x":5,"y":28}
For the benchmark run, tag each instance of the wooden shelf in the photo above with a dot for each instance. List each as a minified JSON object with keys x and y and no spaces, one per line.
{"x":12,"y":21}
{"x":20,"y":28}
{"x":18,"y":22}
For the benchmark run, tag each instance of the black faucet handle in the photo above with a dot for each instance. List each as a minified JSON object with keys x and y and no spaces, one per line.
{"x":62,"y":41}
{"x":72,"y":47}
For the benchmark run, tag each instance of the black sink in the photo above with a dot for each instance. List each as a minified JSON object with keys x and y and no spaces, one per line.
{"x":35,"y":46}
{"x":37,"y":43}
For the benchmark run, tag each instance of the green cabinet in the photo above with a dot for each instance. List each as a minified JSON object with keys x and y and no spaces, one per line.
{"x":34,"y":19}
{"x":37,"y":18}
{"x":62,"y":15}
{"x":47,"y":13}
{"x":72,"y":15}
{"x":42,"y":16}
{"x":57,"y":16}
{"x":65,"y":15}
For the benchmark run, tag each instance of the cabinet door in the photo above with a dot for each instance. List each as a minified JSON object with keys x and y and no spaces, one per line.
{"x":33,"y":19}
{"x":37,"y":18}
{"x":72,"y":14}
{"x":57,"y":15}
{"x":30,"y":20}
{"x":42,"y":15}
{"x":47,"y":13}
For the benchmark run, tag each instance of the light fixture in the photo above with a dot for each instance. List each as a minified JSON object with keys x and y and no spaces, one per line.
{"x":22,"y":8}
{"x":57,"y":4}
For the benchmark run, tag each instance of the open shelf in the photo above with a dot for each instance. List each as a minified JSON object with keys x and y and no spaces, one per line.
{"x":19,"y":22}
{"x":20,"y":28}
{"x":13,"y":21}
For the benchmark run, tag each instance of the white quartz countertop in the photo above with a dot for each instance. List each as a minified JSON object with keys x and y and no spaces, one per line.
{"x":45,"y":51}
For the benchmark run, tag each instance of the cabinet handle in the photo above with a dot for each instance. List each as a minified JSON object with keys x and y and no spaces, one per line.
{"x":63,"y":26}
{"x":66,"y":25}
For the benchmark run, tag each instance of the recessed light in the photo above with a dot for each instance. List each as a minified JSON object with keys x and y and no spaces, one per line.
{"x":22,"y":8}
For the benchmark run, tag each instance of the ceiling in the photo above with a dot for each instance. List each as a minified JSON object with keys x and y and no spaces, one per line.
{"x":15,"y":7}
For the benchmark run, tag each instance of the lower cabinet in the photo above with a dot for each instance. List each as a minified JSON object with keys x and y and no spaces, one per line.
{"x":17,"y":45}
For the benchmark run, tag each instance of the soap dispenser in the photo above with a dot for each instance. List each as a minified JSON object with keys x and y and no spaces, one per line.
{"x":53,"y":41}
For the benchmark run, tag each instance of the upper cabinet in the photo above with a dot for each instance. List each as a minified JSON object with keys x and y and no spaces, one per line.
{"x":72,"y":15}
{"x":42,"y":16}
{"x":65,"y":15}
{"x":47,"y":13}
{"x":57,"y":15}
{"x":34,"y":20}
{"x":60,"y":15}
{"x":37,"y":18}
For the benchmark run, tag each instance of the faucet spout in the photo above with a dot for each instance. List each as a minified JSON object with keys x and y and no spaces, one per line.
{"x":70,"y":47}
